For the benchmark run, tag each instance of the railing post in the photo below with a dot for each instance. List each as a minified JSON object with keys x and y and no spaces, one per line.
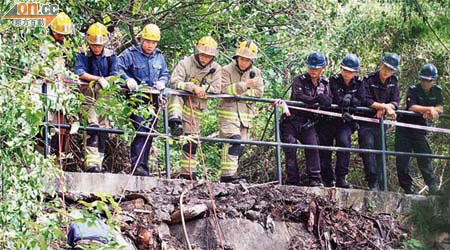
{"x":166,"y":143}
{"x":383,"y":154}
{"x":277,"y":137}
{"x":46,"y":147}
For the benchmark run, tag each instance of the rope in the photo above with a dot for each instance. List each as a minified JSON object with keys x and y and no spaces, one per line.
{"x":182,"y":220}
{"x":140,"y":155}
{"x":191,"y":117}
{"x":208,"y":183}
{"x":61,"y":177}
{"x":211,"y":197}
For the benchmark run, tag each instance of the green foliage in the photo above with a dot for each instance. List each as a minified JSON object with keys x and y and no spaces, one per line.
{"x":414,"y":245}
{"x":106,"y":207}
{"x":431,"y":219}
{"x":23,"y":218}
{"x":286,"y":31}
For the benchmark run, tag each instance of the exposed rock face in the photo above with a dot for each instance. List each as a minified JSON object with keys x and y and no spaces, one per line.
{"x":240,"y":234}
{"x":247,"y":216}
{"x":360,"y":200}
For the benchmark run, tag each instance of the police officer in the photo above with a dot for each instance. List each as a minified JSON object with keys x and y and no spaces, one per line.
{"x":383,"y":95}
{"x":97,"y":65}
{"x":240,"y":77}
{"x":425,"y":98}
{"x":144,"y":65}
{"x":197,"y":73}
{"x":310,"y":88}
{"x":348,"y":91}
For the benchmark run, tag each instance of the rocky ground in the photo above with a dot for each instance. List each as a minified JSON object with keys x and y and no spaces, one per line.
{"x":243,"y":216}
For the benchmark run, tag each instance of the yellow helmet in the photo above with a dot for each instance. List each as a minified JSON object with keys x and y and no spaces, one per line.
{"x":62,"y":24}
{"x":97,"y":34}
{"x":247,"y":49}
{"x":207,"y":45}
{"x":151,"y":32}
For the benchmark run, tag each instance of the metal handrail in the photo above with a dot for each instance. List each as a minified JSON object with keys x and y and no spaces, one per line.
{"x":277,"y":143}
{"x":251,"y":142}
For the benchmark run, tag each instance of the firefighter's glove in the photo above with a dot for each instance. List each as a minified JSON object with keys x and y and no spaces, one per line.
{"x":132,"y":84}
{"x":160,"y":85}
{"x":103,"y":82}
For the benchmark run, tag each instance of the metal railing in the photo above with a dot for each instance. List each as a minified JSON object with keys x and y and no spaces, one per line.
{"x":277,"y":143}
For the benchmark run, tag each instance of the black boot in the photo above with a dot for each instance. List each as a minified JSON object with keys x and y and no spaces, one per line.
{"x":140,"y":171}
{"x":373,"y":187}
{"x":433,"y":189}
{"x":315,"y":182}
{"x":94,"y":169}
{"x":188,"y":177}
{"x":328,"y":183}
{"x":176,"y":127}
{"x":231,"y":179}
{"x":341,"y":183}
{"x":409,"y":190}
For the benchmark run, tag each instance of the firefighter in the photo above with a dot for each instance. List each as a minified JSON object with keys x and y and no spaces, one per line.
{"x":382,"y":95}
{"x":198,"y":74}
{"x":60,"y":27}
{"x":95,"y":65}
{"x":144,"y":65}
{"x":348,"y":91}
{"x":312,"y":89}
{"x":425,"y":98}
{"x":239,"y":78}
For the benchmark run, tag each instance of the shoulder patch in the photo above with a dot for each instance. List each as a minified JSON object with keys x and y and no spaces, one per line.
{"x":133,"y":49}
{"x":391,"y":85}
{"x":437,"y":87}
{"x":157,"y":51}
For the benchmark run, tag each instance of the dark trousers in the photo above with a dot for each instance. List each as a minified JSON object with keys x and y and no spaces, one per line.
{"x":97,"y":139}
{"x":142,"y":124}
{"x":410,"y":140}
{"x":369,"y":137}
{"x":291,"y":131}
{"x":330,"y":132}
